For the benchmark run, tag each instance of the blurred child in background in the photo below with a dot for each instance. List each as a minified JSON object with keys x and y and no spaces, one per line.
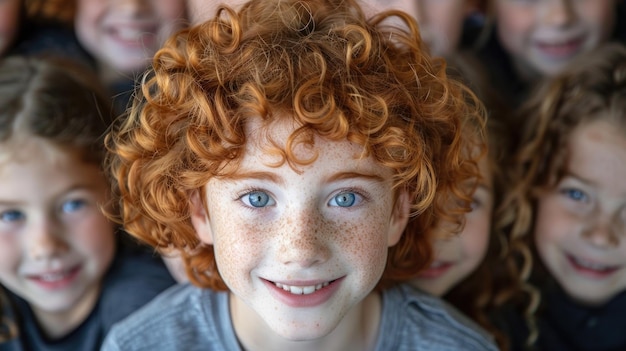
{"x":474,"y":269}
{"x":440,"y":21}
{"x":529,"y":40}
{"x":66,"y":272}
{"x":282,"y":149}
{"x":569,"y":204}
{"x":123,"y":35}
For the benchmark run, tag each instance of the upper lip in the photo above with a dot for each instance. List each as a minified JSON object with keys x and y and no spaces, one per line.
{"x":48,"y":272}
{"x":301,"y":283}
{"x":592,"y":263}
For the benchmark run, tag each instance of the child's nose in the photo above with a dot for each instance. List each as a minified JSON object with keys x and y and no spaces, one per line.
{"x":46,"y":241}
{"x":303,"y":240}
{"x":602,"y":232}
{"x":132,"y":6}
{"x":558,"y":12}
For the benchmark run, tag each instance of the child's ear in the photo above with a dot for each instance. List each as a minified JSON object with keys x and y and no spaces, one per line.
{"x":399,"y":218}
{"x":200,"y":218}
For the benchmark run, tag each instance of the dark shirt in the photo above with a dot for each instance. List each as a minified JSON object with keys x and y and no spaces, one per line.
{"x":565,"y":325}
{"x":134,"y":278}
{"x":50,"y":39}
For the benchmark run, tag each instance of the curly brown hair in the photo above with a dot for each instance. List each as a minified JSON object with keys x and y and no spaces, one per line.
{"x":59,"y":102}
{"x":338,"y":74}
{"x":593,"y":88}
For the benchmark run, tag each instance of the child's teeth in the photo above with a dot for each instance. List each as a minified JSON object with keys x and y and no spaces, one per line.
{"x":301,"y":290}
{"x":50,"y":277}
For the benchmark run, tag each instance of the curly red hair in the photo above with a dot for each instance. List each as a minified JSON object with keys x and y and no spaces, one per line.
{"x":338,"y":74}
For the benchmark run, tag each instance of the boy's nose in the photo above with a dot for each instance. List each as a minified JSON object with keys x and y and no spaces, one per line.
{"x":558,"y":12}
{"x":46,"y":241}
{"x":303,"y":240}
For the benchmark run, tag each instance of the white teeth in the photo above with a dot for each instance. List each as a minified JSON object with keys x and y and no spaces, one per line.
{"x":590,"y":265}
{"x":51,"y":277}
{"x":301,"y":290}
{"x":130,"y":34}
{"x":436,"y":264}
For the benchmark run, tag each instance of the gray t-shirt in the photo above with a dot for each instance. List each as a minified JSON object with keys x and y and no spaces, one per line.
{"x":189,"y":318}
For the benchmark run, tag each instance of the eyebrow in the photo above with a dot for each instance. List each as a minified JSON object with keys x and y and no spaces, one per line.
{"x":278,"y":180}
{"x":581,"y":179}
{"x":352,"y":175}
{"x":256,"y":175}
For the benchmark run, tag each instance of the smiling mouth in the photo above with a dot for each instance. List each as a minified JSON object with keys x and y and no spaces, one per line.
{"x":592,"y":266}
{"x":302,"y":290}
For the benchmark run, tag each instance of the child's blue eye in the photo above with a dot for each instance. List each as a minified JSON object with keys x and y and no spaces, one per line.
{"x":11,"y":216}
{"x":346,"y":199}
{"x":575,"y":194}
{"x":475,"y":204}
{"x":257,"y":199}
{"x":72,"y":205}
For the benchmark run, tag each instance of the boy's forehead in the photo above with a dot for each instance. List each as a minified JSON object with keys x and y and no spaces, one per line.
{"x":279,"y":134}
{"x":270,"y":145}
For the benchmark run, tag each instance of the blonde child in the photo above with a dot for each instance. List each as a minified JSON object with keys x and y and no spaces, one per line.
{"x":281,"y":149}
{"x":569,"y":205}
{"x":66,"y":274}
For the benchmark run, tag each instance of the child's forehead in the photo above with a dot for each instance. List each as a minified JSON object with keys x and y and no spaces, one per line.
{"x":29,"y":148}
{"x":284,"y":131}
{"x":274,"y":143}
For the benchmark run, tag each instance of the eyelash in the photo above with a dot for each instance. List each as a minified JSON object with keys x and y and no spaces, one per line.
{"x":248,"y":191}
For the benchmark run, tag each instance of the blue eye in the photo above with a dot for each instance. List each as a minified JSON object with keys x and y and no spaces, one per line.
{"x":575,"y":194}
{"x":11,"y":216}
{"x":257,"y":199}
{"x":72,"y":205}
{"x":346,"y":199}
{"x":475,"y":204}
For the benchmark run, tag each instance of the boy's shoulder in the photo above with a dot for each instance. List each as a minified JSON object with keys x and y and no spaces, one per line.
{"x":414,"y":320}
{"x":184,"y":317}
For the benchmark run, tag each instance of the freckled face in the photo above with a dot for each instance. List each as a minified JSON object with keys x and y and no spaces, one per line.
{"x":300,"y":250}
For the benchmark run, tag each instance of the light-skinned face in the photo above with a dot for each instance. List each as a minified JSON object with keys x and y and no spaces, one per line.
{"x":543,"y":36}
{"x":301,"y":250}
{"x":458,"y":255}
{"x":55,"y":243}
{"x":9,"y":23}
{"x":440,"y":21}
{"x":581,"y":224}
{"x":123,"y":35}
